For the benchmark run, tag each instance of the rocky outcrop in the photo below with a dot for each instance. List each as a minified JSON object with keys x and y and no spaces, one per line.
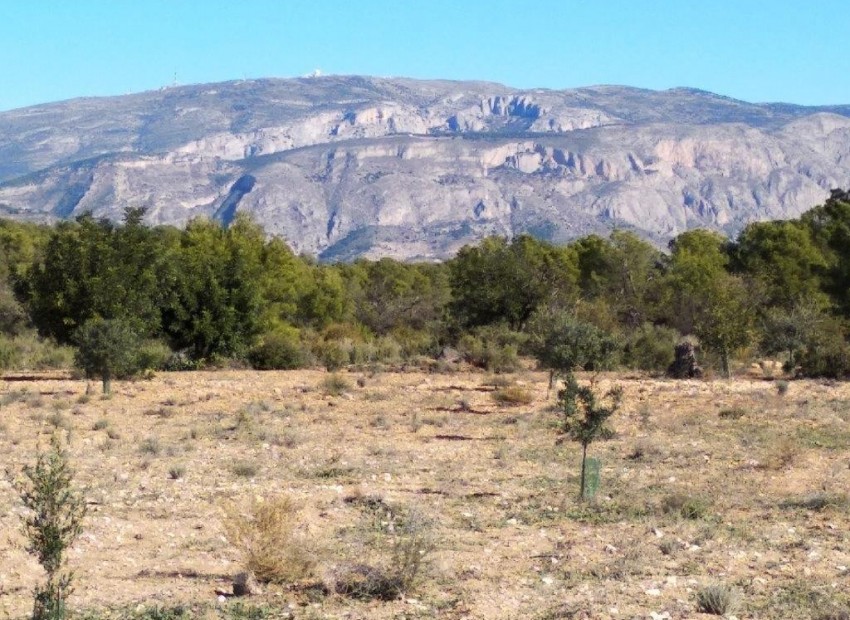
{"x":351,"y":166}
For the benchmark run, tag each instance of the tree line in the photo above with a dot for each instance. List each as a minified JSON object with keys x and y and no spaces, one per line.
{"x":207,"y":295}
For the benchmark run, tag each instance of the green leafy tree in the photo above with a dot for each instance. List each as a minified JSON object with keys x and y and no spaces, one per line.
{"x":785,"y":260}
{"x":703,"y":298}
{"x":216,"y":308}
{"x":54,"y":518}
{"x":501,"y":282}
{"x":107,"y":348}
{"x":585,"y":416}
{"x":829,"y":225}
{"x":563,"y":344}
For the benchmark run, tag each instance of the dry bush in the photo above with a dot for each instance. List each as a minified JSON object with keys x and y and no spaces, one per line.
{"x":395,"y":541}
{"x":267,"y":538}
{"x":782,"y":454}
{"x":513,"y":395}
{"x":335,"y":385}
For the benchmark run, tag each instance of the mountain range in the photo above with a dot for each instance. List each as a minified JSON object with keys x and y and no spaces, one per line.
{"x":349,"y":166}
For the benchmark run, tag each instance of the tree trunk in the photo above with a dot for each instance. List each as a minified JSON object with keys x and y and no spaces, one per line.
{"x":107,"y":383}
{"x":724,"y":359}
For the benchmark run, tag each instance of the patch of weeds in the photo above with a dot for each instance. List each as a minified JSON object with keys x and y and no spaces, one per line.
{"x":435,"y":421}
{"x":150,"y":446}
{"x":782,"y":387}
{"x":326,"y":473}
{"x":498,"y":381}
{"x":177,"y":472}
{"x":15,"y":396}
{"x":113,"y":434}
{"x":513,"y":395}
{"x":160,"y":412}
{"x":668,"y":546}
{"x":643,"y":450}
{"x":804,"y":599}
{"x":828,"y":438}
{"x":335,"y":385}
{"x":100,"y":424}
{"x":83,"y":399}
{"x":644,"y":414}
{"x":376,"y":396}
{"x":783,"y":454}
{"x":245,"y":469}
{"x":380,"y":421}
{"x":732,"y":413}
{"x":718,"y":599}
{"x":62,"y":404}
{"x":817,"y":502}
{"x":177,"y":612}
{"x":685,"y":506}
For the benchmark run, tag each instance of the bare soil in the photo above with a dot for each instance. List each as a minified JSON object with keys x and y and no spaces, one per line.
{"x":721,"y":482}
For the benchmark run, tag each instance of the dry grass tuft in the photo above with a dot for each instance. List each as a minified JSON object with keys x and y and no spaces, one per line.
{"x":267,"y":539}
{"x":718,"y":599}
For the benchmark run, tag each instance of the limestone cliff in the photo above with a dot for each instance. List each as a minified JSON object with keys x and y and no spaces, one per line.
{"x":349,"y":166}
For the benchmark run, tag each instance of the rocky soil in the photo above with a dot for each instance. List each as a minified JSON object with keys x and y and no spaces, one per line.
{"x":704,"y":482}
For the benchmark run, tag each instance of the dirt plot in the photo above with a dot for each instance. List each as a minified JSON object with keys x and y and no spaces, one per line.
{"x":728,"y":483}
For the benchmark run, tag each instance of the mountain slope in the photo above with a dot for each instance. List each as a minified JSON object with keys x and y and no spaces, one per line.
{"x":348,"y":166}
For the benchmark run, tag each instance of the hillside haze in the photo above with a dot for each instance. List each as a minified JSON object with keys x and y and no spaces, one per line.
{"x":344,"y":166}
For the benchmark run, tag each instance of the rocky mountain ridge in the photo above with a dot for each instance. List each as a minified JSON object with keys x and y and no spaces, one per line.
{"x":349,"y":166}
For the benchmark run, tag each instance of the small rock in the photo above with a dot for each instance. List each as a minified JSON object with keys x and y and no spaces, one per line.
{"x":653,"y":592}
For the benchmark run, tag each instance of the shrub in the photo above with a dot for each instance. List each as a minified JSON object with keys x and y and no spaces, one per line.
{"x":279,"y":350}
{"x":335,"y":384}
{"x":54,"y":521}
{"x":826,"y":353}
{"x":177,"y":472}
{"x":153,"y":355}
{"x":413,"y":342}
{"x":494,"y":347}
{"x":732,"y":413}
{"x":650,"y":348}
{"x":513,"y":395}
{"x":267,"y":539}
{"x":28,"y":351}
{"x":332,"y":355}
{"x":244,"y":469}
{"x":404,"y":539}
{"x":685,"y":506}
{"x":718,"y":599}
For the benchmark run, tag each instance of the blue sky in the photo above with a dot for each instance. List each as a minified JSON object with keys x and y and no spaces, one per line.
{"x":750,"y":49}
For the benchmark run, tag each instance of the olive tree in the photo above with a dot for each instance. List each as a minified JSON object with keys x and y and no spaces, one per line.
{"x":107,"y":348}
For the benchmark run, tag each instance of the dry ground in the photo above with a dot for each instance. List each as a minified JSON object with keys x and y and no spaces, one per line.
{"x":723,"y":482}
